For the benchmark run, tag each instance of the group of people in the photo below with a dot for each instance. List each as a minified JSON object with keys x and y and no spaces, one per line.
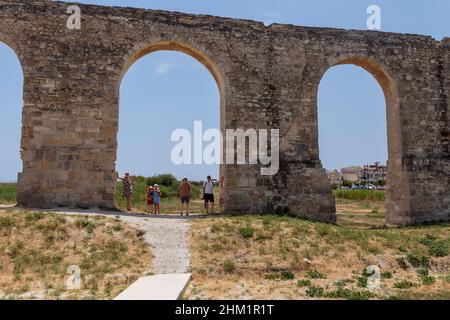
{"x":154,"y":195}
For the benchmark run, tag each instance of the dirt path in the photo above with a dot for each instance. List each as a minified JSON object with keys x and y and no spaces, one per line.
{"x":169,"y":239}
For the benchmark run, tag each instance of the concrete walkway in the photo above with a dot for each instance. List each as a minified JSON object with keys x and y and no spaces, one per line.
{"x":159,"y":287}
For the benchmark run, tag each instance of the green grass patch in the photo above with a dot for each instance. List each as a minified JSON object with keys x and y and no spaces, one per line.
{"x":229,"y":266}
{"x":370,"y":195}
{"x":404,"y":284}
{"x":343,"y":293}
{"x":315,"y":292}
{"x":304,"y":283}
{"x":428,"y":280}
{"x":436,"y":247}
{"x":8,"y":193}
{"x":314,"y":274}
{"x":283,"y":275}
{"x":246,"y":232}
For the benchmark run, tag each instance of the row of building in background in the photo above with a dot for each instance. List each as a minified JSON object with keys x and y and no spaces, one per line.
{"x":371,"y":174}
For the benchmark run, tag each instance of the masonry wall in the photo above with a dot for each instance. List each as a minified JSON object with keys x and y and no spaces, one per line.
{"x":268,"y":78}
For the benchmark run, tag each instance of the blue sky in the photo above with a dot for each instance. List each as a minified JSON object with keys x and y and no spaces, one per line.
{"x":167,"y":85}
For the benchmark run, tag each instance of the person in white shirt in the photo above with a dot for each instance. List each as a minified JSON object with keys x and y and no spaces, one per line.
{"x":208,"y":194}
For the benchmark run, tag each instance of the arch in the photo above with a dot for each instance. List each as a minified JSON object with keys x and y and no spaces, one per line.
{"x":13,"y":50}
{"x":390,"y":90}
{"x":397,"y":188}
{"x":143,"y":49}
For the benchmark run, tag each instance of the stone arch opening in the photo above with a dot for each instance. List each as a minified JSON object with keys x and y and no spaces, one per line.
{"x":186,"y":52}
{"x":11,"y":123}
{"x":142,"y":50}
{"x":396,"y":187}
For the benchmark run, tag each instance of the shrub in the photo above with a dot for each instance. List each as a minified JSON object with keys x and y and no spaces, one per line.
{"x":343,"y":283}
{"x":404,"y":284}
{"x":422,"y":271}
{"x":166,"y":180}
{"x":343,"y":293}
{"x":439,"y":249}
{"x":86,"y":224}
{"x":428,"y":280}
{"x":435,"y":247}
{"x":314,"y":274}
{"x":283,"y":275}
{"x":428,"y":240}
{"x":315,"y":292}
{"x":303,"y":283}
{"x":361,"y":282}
{"x":246,"y":232}
{"x":419,"y":261}
{"x":272,"y":276}
{"x":229,"y":266}
{"x":286,"y":275}
{"x":386,"y":275}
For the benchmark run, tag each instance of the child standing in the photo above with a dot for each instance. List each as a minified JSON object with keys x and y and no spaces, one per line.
{"x":156,"y":199}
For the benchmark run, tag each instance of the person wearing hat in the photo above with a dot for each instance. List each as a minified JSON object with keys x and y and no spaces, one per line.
{"x":185,"y":195}
{"x":156,"y":199}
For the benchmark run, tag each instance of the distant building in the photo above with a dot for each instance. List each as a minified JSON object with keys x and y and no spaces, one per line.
{"x":335,"y":177}
{"x":373,"y":173}
{"x":351,"y":173}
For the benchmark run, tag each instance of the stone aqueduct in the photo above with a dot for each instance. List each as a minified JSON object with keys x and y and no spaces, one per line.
{"x":268,"y":77}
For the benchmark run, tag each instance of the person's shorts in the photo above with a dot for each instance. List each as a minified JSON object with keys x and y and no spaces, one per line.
{"x":185,"y":199}
{"x":209,"y":197}
{"x":149,"y":202}
{"x":157,"y":201}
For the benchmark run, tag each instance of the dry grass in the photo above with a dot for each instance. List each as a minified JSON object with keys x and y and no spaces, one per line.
{"x":360,"y":214}
{"x":37,"y":248}
{"x":271,"y":257}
